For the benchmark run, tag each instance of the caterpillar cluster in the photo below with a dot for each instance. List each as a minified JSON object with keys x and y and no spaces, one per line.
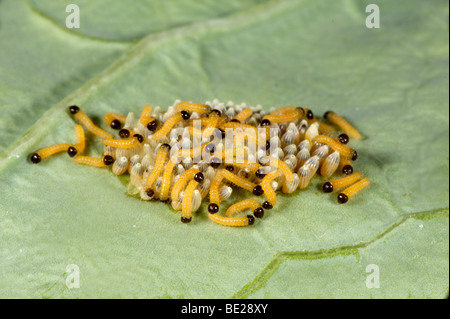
{"x":195,"y":152}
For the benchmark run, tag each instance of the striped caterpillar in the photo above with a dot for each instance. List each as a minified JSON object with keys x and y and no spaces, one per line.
{"x":194,"y":152}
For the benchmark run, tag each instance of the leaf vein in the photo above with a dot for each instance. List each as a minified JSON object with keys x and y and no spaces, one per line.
{"x":280,"y":257}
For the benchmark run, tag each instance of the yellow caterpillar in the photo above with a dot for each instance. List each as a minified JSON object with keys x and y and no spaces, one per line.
{"x":195,"y":152}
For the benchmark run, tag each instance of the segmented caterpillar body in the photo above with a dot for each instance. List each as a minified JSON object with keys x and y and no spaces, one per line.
{"x":190,"y":153}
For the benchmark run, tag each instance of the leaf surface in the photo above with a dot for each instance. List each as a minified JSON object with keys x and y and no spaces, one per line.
{"x":391,"y":83}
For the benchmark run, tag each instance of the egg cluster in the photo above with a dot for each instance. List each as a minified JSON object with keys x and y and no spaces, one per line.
{"x":194,"y":152}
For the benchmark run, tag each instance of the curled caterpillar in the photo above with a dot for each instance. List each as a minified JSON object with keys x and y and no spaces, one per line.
{"x":200,"y":152}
